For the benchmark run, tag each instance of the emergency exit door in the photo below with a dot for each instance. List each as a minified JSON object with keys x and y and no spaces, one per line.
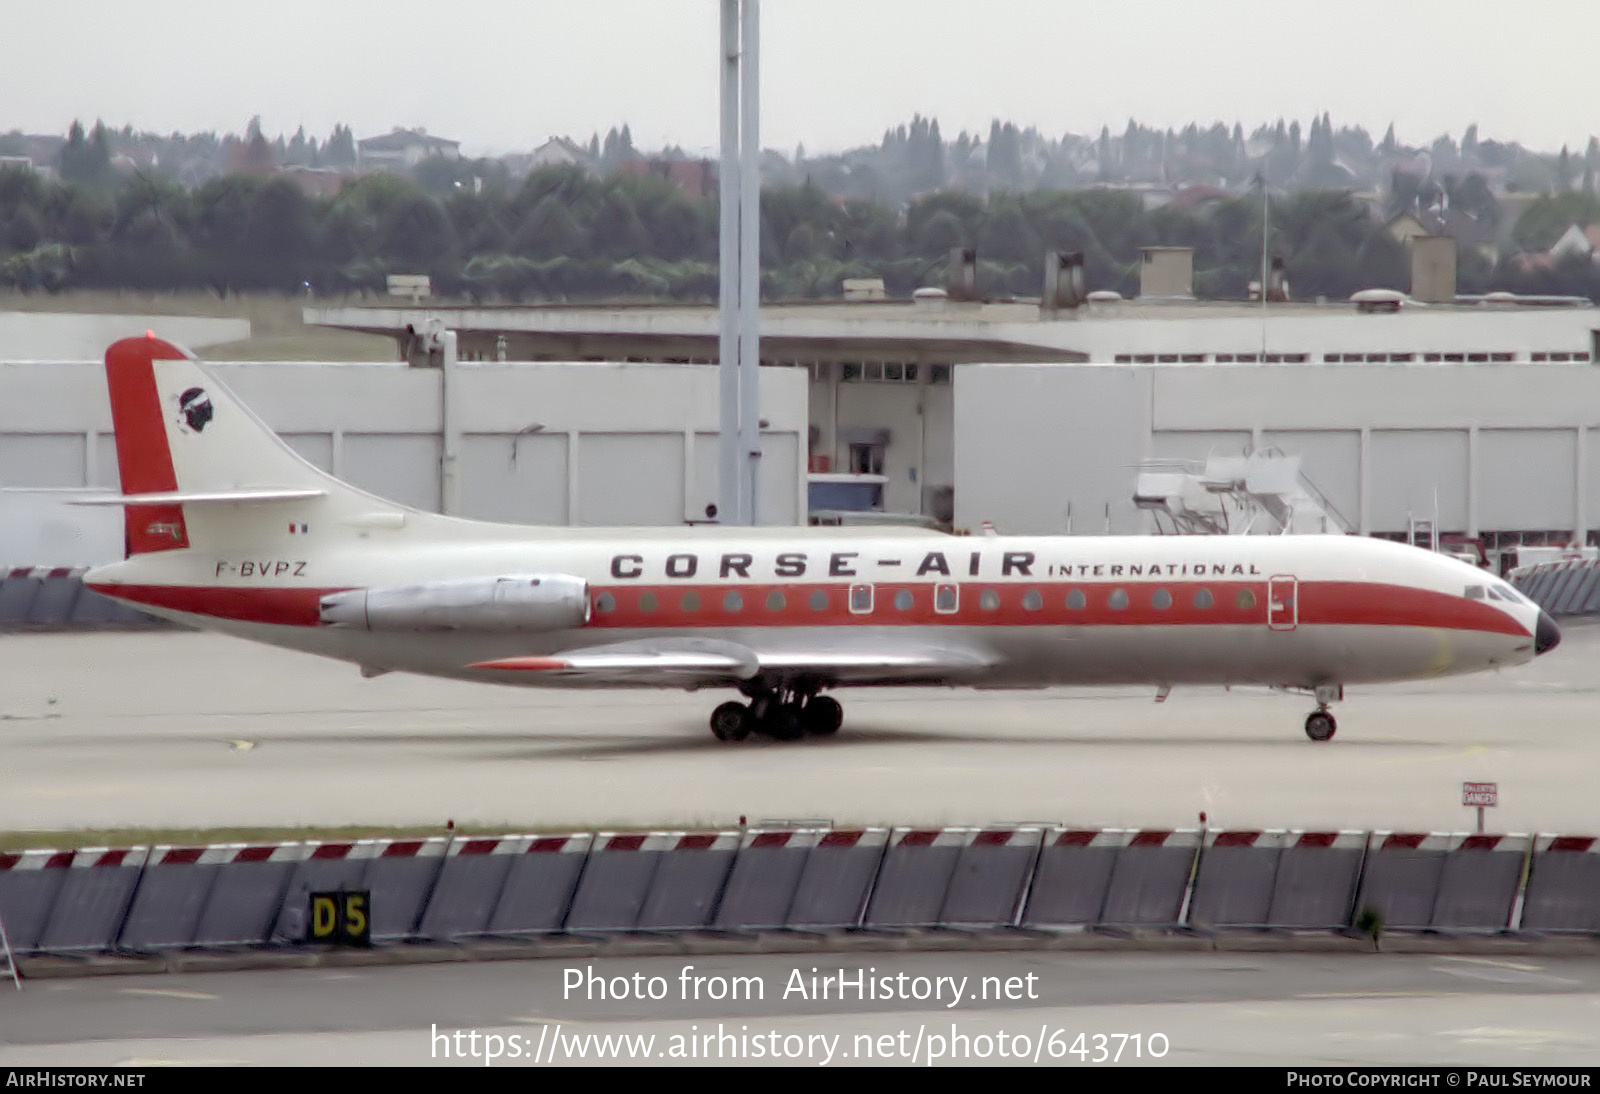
{"x":1283,"y":602}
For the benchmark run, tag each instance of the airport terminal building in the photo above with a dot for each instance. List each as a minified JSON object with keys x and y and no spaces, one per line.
{"x":1476,"y":415}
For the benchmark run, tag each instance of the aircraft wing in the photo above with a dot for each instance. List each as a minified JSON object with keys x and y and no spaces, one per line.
{"x":698,"y":662}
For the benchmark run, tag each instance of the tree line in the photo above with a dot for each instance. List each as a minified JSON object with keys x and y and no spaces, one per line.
{"x":565,"y":234}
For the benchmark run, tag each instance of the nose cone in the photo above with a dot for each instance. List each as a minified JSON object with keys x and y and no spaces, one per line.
{"x":1546,"y":636}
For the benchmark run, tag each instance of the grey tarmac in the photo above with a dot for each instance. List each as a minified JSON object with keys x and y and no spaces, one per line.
{"x":179,"y":729}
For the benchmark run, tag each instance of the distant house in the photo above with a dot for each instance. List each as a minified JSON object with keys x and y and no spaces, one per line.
{"x":560,"y":152}
{"x":404,"y":148}
{"x":1577,"y":240}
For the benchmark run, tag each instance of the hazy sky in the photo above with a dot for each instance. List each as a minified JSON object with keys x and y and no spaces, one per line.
{"x":499,"y":75}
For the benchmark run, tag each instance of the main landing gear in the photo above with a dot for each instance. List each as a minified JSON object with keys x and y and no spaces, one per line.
{"x":1320,"y":725}
{"x":782,"y":714}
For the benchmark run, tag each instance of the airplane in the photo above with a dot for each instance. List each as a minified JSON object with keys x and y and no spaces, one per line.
{"x":229,"y":529}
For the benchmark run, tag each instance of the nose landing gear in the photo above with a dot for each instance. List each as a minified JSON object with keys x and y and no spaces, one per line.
{"x":782,"y":714}
{"x":1320,"y":724}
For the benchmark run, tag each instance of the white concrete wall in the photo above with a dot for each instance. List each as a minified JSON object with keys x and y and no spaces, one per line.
{"x":540,"y":443}
{"x":1489,"y":448}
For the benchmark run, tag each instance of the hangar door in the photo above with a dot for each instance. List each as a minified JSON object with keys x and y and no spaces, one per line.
{"x":1527,"y":479}
{"x":1417,"y":473}
{"x":630,"y":478}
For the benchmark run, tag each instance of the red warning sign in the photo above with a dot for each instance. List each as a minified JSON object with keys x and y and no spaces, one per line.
{"x":1480,"y":794}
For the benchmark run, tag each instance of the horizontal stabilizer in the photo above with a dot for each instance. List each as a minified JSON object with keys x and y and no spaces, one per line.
{"x":219,"y":497}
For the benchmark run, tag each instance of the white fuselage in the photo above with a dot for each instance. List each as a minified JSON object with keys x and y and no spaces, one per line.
{"x":1035,"y":611}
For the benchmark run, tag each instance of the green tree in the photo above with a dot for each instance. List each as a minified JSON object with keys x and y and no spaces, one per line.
{"x":86,"y":158}
{"x":416,"y":236}
{"x":279,"y":236}
{"x":549,"y":231}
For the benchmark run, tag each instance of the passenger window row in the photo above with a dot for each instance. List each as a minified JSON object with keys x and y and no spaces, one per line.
{"x":946,"y":600}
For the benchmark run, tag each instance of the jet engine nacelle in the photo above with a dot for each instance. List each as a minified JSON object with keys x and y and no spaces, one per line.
{"x":513,"y":602}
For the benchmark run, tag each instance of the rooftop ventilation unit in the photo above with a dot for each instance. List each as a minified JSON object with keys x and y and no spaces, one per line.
{"x":961,"y":282}
{"x":1379,"y":300}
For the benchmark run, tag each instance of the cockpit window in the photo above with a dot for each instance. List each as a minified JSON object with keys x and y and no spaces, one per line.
{"x":1495,"y":594}
{"x":1474,"y":592}
{"x":1510,"y":595}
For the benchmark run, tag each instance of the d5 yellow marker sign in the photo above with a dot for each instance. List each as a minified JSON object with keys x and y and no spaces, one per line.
{"x":341,"y":918}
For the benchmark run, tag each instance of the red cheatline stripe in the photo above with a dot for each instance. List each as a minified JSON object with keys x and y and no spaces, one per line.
{"x":255,"y":854}
{"x":1149,"y":838}
{"x":921,"y":837}
{"x":993,"y":837}
{"x":1480,"y":843}
{"x":1316,"y":839}
{"x":179,"y":856}
{"x":294,"y":607}
{"x":479,"y":847}
{"x":549,"y":843}
{"x":1572,"y":843}
{"x":1077,"y":838}
{"x":404,"y":848}
{"x":774,"y":604}
{"x":1411,"y":840}
{"x":842,"y":838}
{"x":625,"y":843}
{"x":333,"y":850}
{"x":771,"y":839}
{"x":1236,"y":839}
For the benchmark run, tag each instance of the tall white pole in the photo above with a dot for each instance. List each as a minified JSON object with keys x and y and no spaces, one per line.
{"x":750,"y":259}
{"x":1264,"y":224}
{"x":729,"y":464}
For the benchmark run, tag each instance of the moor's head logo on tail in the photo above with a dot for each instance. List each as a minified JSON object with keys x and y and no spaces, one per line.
{"x":195,"y":406}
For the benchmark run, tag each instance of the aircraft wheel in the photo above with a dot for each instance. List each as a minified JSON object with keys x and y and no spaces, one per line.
{"x":1320,"y":725}
{"x":782,"y":722}
{"x":731,"y":722}
{"x":823,"y":716}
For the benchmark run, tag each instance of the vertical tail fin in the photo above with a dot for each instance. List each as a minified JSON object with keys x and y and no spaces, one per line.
{"x":182,"y":434}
